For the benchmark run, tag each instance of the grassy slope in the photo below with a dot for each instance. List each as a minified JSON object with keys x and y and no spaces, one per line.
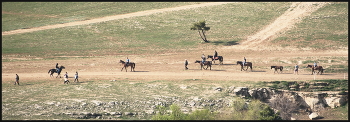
{"x":148,"y":34}
{"x":34,"y":14}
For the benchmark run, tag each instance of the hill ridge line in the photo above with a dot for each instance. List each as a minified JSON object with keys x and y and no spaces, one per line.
{"x":113,"y":17}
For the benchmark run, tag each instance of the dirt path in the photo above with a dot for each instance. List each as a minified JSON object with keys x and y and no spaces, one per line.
{"x":286,"y":21}
{"x":170,"y":66}
{"x":109,"y":18}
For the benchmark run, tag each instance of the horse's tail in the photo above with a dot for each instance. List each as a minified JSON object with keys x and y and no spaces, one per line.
{"x":48,"y":71}
{"x":281,"y":68}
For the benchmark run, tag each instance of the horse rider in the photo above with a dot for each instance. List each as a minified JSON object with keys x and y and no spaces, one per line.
{"x":57,"y":68}
{"x":244,"y":60}
{"x":203,"y":58}
{"x":215,"y":55}
{"x":315,"y":65}
{"x":127,"y":61}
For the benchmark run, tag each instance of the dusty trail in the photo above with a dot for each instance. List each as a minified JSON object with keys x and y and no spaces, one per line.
{"x":170,"y":67}
{"x":109,"y":18}
{"x":286,"y":21}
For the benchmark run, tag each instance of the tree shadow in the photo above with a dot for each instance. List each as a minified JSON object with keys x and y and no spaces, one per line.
{"x":229,"y":43}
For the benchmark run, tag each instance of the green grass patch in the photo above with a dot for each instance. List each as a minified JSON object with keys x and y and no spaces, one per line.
{"x":152,"y":34}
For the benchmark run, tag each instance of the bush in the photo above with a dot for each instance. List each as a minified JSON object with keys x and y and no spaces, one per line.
{"x":177,"y":114}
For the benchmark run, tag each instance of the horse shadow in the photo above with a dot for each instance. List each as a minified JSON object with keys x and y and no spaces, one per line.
{"x":140,"y":71}
{"x":217,"y":70}
{"x":258,"y":71}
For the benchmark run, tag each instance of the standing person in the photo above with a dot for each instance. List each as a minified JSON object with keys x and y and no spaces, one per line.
{"x":244,"y":60}
{"x":127,"y":60}
{"x":17,"y":79}
{"x":76,"y":77}
{"x":203,"y":58}
{"x":296,"y":67}
{"x":186,"y":63}
{"x":215,"y":55}
{"x":66,"y":78}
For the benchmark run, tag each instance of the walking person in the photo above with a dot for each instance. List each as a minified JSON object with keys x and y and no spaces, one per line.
{"x":17,"y":79}
{"x":296,"y":68}
{"x":66,"y":78}
{"x":76,"y":77}
{"x":186,"y":63}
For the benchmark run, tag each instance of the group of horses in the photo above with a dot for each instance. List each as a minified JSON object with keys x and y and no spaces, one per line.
{"x":202,"y":64}
{"x":319,"y":68}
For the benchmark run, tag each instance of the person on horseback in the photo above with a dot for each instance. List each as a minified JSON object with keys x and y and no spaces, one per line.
{"x":57,"y":68}
{"x":315,"y":65}
{"x":203,"y":58}
{"x":127,"y":61}
{"x":244,"y":60}
{"x":215,"y":55}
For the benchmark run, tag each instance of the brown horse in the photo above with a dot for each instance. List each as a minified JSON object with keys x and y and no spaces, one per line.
{"x":248,"y":64}
{"x":277,"y":67}
{"x":319,"y":68}
{"x":220,"y":58}
{"x":208,"y":63}
{"x":131,"y":64}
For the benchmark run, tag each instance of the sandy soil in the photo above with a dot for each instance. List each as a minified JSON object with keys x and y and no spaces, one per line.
{"x":171,"y":66}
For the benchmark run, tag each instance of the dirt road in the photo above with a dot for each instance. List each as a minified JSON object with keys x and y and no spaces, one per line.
{"x":170,"y":66}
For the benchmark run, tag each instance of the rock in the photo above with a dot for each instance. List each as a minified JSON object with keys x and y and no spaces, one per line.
{"x":241,"y":91}
{"x":313,"y":115}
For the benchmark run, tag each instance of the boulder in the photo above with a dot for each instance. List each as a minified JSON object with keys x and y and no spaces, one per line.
{"x":241,"y":91}
{"x":334,"y":102}
{"x":313,"y":115}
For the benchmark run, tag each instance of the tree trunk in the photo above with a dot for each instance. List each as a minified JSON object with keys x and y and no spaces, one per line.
{"x":204,"y":36}
{"x":204,"y":39}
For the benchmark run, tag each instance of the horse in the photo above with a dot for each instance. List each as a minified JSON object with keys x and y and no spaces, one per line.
{"x":246,"y":64}
{"x":208,"y":63}
{"x":277,"y":67}
{"x":131,"y":64}
{"x":55,"y":71}
{"x":220,"y":58}
{"x":319,"y":68}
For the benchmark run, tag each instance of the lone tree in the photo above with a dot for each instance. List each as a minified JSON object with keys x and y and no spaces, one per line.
{"x":200,"y":26}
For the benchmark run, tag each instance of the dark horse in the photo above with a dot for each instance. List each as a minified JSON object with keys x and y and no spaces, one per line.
{"x":208,"y":63}
{"x":220,"y":58}
{"x":319,"y":68}
{"x":246,"y":64}
{"x":277,"y":67}
{"x":131,"y":64}
{"x":55,"y":71}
